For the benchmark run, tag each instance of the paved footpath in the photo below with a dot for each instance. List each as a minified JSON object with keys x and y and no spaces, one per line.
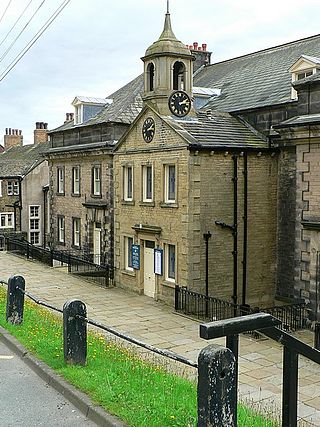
{"x":260,"y":362}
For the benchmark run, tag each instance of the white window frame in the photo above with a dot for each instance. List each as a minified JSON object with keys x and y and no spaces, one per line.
{"x":128,"y":183}
{"x":13,"y":188}
{"x":147,"y":178}
{"x":78,"y":114}
{"x":61,"y":229}
{"x":60,"y":180}
{"x":6,"y":220}
{"x":35,"y":218}
{"x":76,"y":230}
{"x":128,"y":242}
{"x":169,"y":276}
{"x":167,"y":177}
{"x":76,"y":180}
{"x":96,"y":180}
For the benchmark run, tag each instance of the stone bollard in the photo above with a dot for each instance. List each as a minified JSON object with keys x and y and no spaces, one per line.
{"x":217,"y":405}
{"x":75,"y":332}
{"x":15,"y":300}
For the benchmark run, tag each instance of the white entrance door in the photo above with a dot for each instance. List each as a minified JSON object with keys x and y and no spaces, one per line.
{"x":148,"y":265}
{"x":96,"y":245}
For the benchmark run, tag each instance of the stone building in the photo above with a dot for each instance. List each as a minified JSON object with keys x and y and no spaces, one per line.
{"x":81,"y":173}
{"x":176,"y":172}
{"x":228,"y":148}
{"x":23,"y":185}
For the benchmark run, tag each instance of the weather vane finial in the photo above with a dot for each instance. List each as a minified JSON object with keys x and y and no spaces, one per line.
{"x":168,"y":6}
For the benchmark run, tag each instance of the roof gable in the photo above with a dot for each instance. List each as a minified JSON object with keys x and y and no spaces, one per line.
{"x":305,"y":62}
{"x":19,"y":161}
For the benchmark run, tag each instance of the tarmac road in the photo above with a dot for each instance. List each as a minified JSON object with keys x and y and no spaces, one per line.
{"x":26,"y":400}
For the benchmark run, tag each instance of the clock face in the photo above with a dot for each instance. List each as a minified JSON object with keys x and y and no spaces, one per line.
{"x":148,"y":129}
{"x":179,"y":103}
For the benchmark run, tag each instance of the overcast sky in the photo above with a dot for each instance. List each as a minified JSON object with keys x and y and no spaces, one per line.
{"x":94,"y":46}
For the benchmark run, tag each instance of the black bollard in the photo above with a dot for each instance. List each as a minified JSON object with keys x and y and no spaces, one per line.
{"x":216,"y":387}
{"x":15,"y":300}
{"x":317,"y":335}
{"x":75,"y":332}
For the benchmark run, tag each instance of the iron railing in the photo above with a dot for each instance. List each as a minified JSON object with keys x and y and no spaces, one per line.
{"x":103,"y":274}
{"x":293,"y":316}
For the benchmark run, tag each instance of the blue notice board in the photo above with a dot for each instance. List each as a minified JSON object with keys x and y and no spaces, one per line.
{"x":158,"y":261}
{"x":136,"y":257}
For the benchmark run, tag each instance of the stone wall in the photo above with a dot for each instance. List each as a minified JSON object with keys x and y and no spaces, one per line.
{"x":71,"y":206}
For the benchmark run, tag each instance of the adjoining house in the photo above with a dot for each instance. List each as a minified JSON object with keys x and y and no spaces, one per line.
{"x":24,"y":179}
{"x":192,"y":155}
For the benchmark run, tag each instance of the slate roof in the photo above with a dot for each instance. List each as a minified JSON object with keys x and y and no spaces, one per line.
{"x":216,"y":129}
{"x":267,"y":71}
{"x":19,"y":161}
{"x":307,"y":119}
{"x":127,"y":104}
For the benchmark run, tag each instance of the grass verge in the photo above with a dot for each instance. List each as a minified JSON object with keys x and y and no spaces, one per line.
{"x":140,"y":393}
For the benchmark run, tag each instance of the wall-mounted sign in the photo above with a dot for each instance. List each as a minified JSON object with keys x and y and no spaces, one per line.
{"x":136,"y":257}
{"x":158,"y":261}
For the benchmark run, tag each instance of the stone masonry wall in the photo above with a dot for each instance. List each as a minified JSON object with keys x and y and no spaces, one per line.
{"x":71,"y":206}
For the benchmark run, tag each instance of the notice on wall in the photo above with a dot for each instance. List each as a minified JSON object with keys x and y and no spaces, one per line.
{"x":158,"y":261}
{"x":136,"y":257}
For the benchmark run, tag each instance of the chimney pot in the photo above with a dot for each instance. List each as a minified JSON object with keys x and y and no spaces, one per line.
{"x":20,"y":132}
{"x":204,"y":46}
{"x":71,"y":116}
{"x":46,"y":126}
{"x":195,"y":45}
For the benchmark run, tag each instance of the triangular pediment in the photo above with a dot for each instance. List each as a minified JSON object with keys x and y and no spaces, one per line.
{"x":166,"y":135}
{"x":305,"y":62}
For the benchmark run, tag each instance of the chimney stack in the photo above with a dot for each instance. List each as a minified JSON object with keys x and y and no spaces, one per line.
{"x":12,"y":138}
{"x":202,"y":56}
{"x":40,"y":133}
{"x":69,"y":118}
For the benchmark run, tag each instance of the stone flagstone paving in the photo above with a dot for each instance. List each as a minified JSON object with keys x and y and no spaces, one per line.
{"x":260,"y":362}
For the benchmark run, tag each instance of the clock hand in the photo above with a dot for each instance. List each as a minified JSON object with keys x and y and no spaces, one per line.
{"x":150,"y":128}
{"x":185,"y":101}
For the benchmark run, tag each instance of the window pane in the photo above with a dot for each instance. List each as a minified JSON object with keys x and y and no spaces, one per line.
{"x":129,"y":183}
{"x":171,"y":262}
{"x":130,"y":243}
{"x":149,"y":183}
{"x":172,"y":183}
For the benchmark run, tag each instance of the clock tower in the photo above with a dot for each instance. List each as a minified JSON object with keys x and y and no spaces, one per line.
{"x":168,"y":73}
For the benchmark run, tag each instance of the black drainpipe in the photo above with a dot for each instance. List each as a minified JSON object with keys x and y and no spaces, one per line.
{"x":235,"y":230}
{"x":45,"y":192}
{"x":245,"y":227}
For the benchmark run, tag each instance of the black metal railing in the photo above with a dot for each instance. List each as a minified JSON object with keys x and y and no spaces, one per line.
{"x":293,"y":316}
{"x":102,"y":274}
{"x":202,"y":307}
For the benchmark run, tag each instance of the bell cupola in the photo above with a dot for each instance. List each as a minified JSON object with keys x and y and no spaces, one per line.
{"x":167,"y":67}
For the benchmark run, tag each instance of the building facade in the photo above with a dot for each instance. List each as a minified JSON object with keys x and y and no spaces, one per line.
{"x":24,"y":178}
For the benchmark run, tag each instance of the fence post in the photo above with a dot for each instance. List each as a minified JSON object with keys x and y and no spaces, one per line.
{"x":176,"y":297}
{"x":15,"y":300}
{"x":317,"y":335}
{"x":75,"y":332}
{"x":216,"y":387}
{"x":290,"y":388}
